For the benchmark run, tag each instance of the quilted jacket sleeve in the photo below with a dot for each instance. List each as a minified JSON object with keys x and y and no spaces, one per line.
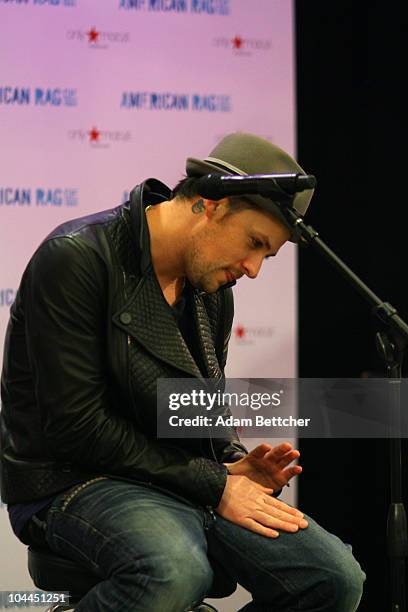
{"x":65,"y":314}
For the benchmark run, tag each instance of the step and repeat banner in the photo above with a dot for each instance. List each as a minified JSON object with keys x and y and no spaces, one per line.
{"x":98,"y":96}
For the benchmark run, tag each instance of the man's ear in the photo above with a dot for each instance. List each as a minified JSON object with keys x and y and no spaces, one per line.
{"x":215,"y":207}
{"x":211,"y":207}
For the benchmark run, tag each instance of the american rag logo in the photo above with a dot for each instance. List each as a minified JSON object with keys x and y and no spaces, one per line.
{"x":69,"y":3}
{"x":37,"y":96}
{"x":38,"y":196}
{"x":7,"y":296}
{"x":206,"y":7}
{"x":100,"y":139}
{"x":98,"y":39}
{"x":243,"y":46}
{"x":166,"y":101}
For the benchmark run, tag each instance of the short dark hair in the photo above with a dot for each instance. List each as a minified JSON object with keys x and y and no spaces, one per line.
{"x":238,"y":203}
{"x":187,"y":188}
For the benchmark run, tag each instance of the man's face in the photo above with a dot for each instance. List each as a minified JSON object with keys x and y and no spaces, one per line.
{"x":224,"y":247}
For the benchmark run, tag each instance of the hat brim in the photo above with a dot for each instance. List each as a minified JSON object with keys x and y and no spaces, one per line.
{"x":199,"y":167}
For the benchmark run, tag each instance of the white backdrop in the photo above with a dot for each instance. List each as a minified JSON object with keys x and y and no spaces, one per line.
{"x":97,"y":96}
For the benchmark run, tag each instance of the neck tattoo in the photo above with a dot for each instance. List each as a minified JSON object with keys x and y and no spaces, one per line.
{"x":198,"y":207}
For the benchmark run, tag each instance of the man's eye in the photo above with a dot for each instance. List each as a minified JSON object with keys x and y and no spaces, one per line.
{"x":256,"y":243}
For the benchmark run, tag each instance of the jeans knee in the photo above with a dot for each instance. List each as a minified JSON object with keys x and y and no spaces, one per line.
{"x":185,"y":572}
{"x":352,"y":583}
{"x":344,"y":583}
{"x":185,"y":580}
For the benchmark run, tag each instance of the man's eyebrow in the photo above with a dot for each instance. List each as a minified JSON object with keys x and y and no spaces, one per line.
{"x":267,"y":243}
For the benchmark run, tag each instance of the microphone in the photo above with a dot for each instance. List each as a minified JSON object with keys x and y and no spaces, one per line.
{"x":279,"y":187}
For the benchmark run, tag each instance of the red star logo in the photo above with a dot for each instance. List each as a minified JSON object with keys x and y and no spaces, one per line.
{"x":94,"y":135}
{"x":240,"y":331}
{"x":93,"y":35}
{"x":237,"y":42}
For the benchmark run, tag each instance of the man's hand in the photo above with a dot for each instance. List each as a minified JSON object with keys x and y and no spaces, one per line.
{"x":268,"y":465}
{"x":250,"y":505}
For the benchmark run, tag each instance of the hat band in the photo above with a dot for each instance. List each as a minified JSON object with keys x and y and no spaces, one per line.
{"x":223,"y":164}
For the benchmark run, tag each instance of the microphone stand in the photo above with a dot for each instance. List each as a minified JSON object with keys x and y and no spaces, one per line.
{"x":391,"y":345}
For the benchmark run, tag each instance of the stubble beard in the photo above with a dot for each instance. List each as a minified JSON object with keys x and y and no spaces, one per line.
{"x":200,"y":273}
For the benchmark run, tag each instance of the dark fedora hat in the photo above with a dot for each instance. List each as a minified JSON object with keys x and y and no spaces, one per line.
{"x":242,"y":153}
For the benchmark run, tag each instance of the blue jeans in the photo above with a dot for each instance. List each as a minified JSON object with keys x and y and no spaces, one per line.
{"x":157,"y":553}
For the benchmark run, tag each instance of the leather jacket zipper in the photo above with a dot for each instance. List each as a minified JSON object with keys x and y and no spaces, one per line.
{"x":128,"y":337}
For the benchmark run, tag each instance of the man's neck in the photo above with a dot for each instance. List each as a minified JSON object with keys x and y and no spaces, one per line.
{"x":173,"y":291}
{"x":166,"y":247}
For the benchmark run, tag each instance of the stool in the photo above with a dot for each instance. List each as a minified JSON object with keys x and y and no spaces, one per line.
{"x":51,"y":572}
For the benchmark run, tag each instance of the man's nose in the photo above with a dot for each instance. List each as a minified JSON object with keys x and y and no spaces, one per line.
{"x":251,"y":265}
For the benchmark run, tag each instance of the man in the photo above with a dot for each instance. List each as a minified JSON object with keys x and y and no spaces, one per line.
{"x":107,"y":305}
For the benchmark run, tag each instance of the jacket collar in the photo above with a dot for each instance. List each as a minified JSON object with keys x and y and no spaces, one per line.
{"x":146,"y":316}
{"x":148,"y":193}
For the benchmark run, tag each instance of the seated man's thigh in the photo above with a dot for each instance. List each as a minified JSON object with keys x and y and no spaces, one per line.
{"x":120,"y":528}
{"x":295,"y":570}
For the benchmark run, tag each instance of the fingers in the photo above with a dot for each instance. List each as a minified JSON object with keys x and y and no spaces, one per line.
{"x":282,"y":514}
{"x":277,"y":521}
{"x":289,"y":473}
{"x":282,"y":520}
{"x":294,"y":470}
{"x":282,"y":449}
{"x":253,"y":525}
{"x":251,"y":505}
{"x":289,"y":457}
{"x":278,"y":510}
{"x":281,"y":506}
{"x":277,"y":451}
{"x":287,"y":519}
{"x":260,"y":450}
{"x":281,"y":456}
{"x":282,"y":462}
{"x":267,"y":525}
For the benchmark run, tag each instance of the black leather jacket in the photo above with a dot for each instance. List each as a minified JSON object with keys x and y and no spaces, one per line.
{"x":89,"y":334}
